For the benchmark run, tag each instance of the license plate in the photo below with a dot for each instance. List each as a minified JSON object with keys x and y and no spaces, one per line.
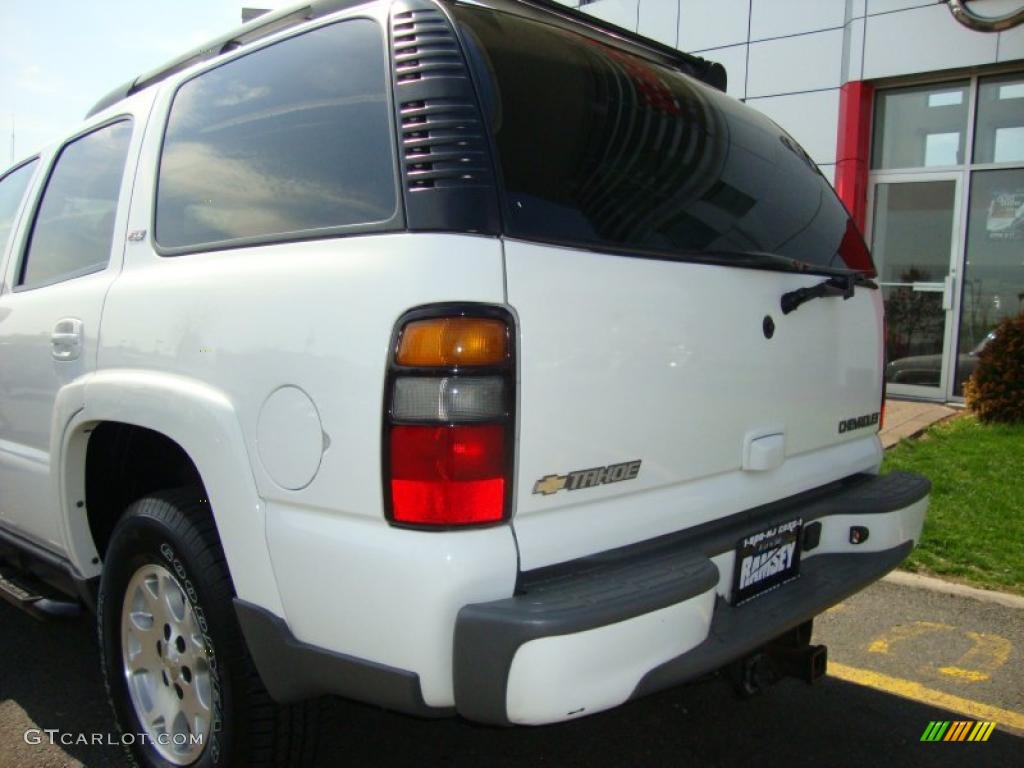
{"x":766,"y":559}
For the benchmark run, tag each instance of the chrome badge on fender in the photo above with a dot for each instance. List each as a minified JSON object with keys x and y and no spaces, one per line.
{"x":588,"y":478}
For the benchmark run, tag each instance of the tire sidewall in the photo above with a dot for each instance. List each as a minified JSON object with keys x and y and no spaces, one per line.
{"x":142,"y":539}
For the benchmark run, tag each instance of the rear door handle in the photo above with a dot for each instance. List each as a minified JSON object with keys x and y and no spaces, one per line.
{"x":66,"y":339}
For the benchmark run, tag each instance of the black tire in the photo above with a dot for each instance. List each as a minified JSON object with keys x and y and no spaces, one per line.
{"x":175,"y":530}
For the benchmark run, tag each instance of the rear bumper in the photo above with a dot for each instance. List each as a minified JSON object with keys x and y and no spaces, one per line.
{"x":590,"y":634}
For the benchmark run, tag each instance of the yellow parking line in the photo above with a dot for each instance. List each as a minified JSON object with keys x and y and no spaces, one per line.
{"x":908,"y":689}
{"x":970,"y":675}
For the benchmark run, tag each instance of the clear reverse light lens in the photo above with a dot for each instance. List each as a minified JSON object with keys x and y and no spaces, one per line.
{"x":449,"y":399}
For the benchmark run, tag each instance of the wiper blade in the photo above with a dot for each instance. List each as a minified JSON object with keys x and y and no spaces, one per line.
{"x":756,"y":259}
{"x":766,"y":260}
{"x":840,"y":285}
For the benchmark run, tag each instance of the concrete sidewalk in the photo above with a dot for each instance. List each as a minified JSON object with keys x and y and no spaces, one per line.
{"x":906,"y":418}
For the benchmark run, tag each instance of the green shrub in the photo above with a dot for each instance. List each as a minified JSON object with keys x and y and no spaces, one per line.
{"x":995,"y":391}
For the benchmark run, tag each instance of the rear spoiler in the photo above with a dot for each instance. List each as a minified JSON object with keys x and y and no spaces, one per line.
{"x":708,"y":72}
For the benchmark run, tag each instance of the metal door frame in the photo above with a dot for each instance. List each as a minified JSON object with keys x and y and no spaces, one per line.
{"x":951,"y":286}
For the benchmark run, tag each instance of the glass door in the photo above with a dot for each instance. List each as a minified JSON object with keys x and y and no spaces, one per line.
{"x":915,"y":241}
{"x":993,"y":275}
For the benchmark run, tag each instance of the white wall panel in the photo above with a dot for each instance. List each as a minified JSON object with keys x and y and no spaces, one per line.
{"x":779,"y":18}
{"x":853,"y":51}
{"x":922,"y":40}
{"x":886,"y":6}
{"x":812,"y":119}
{"x":828,"y":170}
{"x":712,"y":23}
{"x":659,"y":20}
{"x":802,"y":63}
{"x":621,"y":12}
{"x":1011,"y":44}
{"x":858,"y":8}
{"x":734,"y":59}
{"x":995,"y":7}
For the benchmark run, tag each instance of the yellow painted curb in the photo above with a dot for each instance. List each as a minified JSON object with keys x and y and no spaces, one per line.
{"x":908,"y":689}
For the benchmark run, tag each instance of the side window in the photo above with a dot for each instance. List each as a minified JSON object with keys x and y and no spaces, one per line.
{"x":12,"y":189}
{"x":74,"y":225}
{"x":290,"y":138}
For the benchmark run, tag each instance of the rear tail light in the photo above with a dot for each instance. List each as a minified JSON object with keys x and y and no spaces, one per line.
{"x":854,"y":251}
{"x":453,"y":341}
{"x":448,"y":418}
{"x":449,"y":399}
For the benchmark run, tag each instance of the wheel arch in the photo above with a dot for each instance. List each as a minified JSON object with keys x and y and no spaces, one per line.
{"x":180,"y":414}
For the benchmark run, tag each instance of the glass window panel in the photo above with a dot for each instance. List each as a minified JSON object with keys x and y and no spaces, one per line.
{"x":12,"y":189}
{"x":945,"y":99}
{"x":74,"y":227}
{"x":922,"y":126}
{"x":941,"y":148}
{"x":290,"y":138}
{"x":912,"y":240}
{"x":993,"y":280}
{"x":999,"y":135}
{"x":1009,"y":144}
{"x":912,"y":234}
{"x":1012,"y":91}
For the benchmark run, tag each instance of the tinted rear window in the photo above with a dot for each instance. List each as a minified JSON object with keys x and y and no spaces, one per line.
{"x":600,"y":147}
{"x":293,"y":137}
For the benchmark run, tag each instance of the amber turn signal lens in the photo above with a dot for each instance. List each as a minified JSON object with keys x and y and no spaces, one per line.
{"x":452,"y":342}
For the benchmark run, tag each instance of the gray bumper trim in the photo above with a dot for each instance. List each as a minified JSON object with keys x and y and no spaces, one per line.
{"x":737,"y":631}
{"x":624,"y":583}
{"x":293,"y":670}
{"x":487,"y":635}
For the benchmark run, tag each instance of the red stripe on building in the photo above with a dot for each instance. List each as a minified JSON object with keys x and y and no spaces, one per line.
{"x":852,"y":147}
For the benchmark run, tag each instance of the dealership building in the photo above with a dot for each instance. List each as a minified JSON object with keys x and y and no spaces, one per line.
{"x":914,"y":110}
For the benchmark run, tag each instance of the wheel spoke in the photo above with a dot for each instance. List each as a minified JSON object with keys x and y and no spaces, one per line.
{"x":163,"y":712}
{"x":195,"y":713}
{"x":141,"y":653}
{"x":142,"y":622}
{"x":174,"y":600}
{"x":150,"y":591}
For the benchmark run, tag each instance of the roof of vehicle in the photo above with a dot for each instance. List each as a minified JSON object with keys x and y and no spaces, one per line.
{"x":275,"y":21}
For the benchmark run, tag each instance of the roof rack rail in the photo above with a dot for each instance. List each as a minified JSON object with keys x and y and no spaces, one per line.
{"x":709,"y":72}
{"x":260,"y":27}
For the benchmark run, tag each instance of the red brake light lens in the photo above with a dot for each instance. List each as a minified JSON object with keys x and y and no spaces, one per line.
{"x":447,"y":475}
{"x":854,"y":251}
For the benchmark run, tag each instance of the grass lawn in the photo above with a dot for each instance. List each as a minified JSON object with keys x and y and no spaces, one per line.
{"x":975,"y":527}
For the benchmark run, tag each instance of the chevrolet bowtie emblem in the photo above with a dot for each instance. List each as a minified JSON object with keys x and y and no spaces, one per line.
{"x":550,"y":484}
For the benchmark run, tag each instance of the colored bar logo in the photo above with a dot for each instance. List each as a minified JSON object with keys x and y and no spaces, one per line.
{"x":958,"y":730}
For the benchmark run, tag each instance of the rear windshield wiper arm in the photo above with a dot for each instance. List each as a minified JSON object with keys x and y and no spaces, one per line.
{"x":840,"y":285}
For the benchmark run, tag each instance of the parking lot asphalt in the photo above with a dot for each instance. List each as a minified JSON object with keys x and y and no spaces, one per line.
{"x":886,"y":643}
{"x":955,"y":647}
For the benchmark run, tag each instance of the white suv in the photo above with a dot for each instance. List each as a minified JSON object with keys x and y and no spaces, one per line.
{"x":471,"y":357}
